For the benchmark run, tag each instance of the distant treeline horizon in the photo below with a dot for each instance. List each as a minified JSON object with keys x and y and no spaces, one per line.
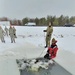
{"x":56,"y":21}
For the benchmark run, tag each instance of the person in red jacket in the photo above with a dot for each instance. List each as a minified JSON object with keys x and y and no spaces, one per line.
{"x":52,"y":50}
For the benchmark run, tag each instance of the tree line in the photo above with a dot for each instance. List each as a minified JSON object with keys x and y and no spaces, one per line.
{"x":56,"y":21}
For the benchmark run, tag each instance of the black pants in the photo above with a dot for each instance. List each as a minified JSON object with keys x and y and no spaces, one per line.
{"x":47,"y":56}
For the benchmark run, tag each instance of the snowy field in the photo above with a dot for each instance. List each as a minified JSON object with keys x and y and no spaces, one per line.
{"x":28,"y":37}
{"x":35,"y":35}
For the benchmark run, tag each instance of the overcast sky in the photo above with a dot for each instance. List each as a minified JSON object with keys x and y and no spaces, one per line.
{"x":36,"y":8}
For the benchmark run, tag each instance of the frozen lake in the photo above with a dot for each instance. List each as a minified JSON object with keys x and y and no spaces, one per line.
{"x":36,"y":39}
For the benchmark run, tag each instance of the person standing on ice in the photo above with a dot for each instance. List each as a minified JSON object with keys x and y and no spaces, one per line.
{"x":14,"y":32}
{"x":49,"y":31}
{"x":6,"y":30}
{"x":52,"y":50}
{"x":2,"y":35}
{"x":11,"y":33}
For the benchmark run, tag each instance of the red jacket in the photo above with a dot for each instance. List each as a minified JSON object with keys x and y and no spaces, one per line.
{"x":53,"y":50}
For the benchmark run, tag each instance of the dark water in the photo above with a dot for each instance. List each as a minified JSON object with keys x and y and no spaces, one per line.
{"x":54,"y":69}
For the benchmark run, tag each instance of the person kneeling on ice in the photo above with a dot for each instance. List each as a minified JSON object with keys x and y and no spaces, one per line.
{"x":52,"y":50}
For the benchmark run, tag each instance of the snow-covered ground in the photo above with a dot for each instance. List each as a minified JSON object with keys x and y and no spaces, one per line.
{"x":30,"y":43}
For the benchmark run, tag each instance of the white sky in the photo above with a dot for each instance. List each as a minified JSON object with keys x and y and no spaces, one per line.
{"x":36,"y":8}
